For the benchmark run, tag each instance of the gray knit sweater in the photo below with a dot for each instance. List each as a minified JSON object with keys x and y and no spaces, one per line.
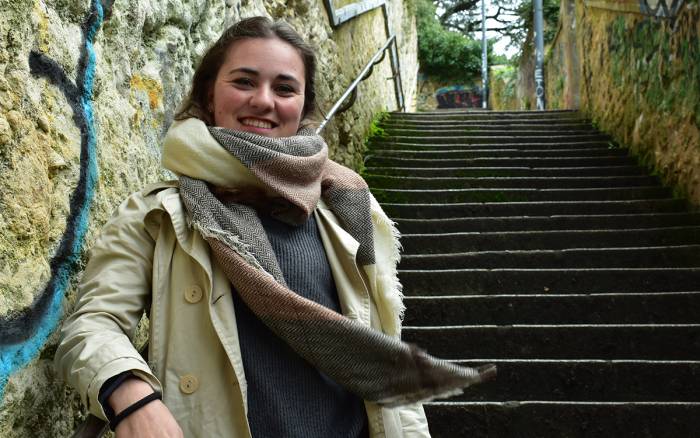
{"x":287,"y":397}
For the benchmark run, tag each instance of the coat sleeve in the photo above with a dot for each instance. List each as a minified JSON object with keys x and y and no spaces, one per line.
{"x":413,"y":421}
{"x":113,"y":293}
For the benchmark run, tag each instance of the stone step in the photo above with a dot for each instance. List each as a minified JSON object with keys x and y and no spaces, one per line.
{"x":547,"y":125}
{"x":403,"y":182}
{"x":549,"y":208}
{"x":544,"y":223}
{"x":547,"y":281}
{"x":494,"y":139}
{"x":636,"y":257}
{"x":447,"y":196}
{"x":394,"y":132}
{"x":579,"y":145}
{"x":506,"y":171}
{"x":496,"y":153}
{"x":544,"y":419}
{"x":547,"y":308}
{"x":582,"y":161}
{"x":609,"y":341}
{"x":443,"y":243}
{"x":438,"y":116}
{"x":587,"y":380}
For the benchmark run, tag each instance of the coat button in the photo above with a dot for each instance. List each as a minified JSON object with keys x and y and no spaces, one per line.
{"x":188,"y":384}
{"x":193,"y":294}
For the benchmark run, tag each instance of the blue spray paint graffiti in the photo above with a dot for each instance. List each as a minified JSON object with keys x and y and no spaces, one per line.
{"x":25,"y":333}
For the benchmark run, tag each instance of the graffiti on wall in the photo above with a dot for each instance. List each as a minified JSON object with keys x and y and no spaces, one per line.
{"x":655,"y":8}
{"x":24,"y":333}
{"x":539,"y":81}
{"x":661,"y":8}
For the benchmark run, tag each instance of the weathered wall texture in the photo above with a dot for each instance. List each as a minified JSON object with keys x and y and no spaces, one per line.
{"x":503,"y":94}
{"x":87,"y":91}
{"x":636,"y":76}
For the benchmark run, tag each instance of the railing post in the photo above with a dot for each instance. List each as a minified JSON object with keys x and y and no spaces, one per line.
{"x":395,"y":66}
{"x":396,"y":72}
{"x":484,"y":59}
{"x":539,"y":55}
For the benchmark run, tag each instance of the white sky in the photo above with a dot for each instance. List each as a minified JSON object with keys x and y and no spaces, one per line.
{"x":500,"y":46}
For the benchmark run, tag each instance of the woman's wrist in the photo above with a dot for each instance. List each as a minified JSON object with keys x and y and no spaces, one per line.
{"x":152,"y":397}
{"x":128,"y":393}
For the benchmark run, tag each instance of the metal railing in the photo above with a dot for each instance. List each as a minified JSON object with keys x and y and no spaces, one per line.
{"x":350,"y":95}
{"x":346,"y":13}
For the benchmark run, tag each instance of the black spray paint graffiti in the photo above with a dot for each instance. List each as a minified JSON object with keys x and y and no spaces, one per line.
{"x":25,"y":333}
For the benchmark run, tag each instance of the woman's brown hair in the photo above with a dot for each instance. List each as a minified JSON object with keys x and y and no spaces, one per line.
{"x":196,"y":104}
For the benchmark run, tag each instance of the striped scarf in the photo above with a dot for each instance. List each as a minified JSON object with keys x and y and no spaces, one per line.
{"x":295,"y":172}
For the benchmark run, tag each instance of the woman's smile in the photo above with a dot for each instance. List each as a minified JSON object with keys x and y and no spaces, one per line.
{"x":257,"y":123}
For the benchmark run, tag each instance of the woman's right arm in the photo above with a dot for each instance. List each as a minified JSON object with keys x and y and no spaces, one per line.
{"x":114,"y":291}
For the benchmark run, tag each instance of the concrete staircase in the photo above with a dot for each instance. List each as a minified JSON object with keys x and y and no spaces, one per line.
{"x":534,"y":243}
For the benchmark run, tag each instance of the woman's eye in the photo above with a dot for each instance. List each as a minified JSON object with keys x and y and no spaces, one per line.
{"x":245,"y":82}
{"x":285,"y":89}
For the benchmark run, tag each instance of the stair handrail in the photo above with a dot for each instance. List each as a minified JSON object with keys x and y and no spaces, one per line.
{"x":350,"y":95}
{"x":338,"y":17}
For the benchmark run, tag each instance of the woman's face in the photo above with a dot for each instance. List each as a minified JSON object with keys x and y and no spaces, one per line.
{"x":259,"y":88}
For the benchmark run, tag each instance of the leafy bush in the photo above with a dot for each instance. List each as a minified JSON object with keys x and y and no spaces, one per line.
{"x":445,"y":55}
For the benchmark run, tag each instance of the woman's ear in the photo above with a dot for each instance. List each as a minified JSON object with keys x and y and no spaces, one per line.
{"x":210,"y":100}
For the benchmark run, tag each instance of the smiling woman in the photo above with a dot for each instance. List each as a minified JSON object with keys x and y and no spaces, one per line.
{"x":268,"y":272}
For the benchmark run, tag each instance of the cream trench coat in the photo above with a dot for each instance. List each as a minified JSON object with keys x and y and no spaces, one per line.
{"x":148,"y":257}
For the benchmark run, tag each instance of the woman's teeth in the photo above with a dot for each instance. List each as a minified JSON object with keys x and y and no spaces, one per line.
{"x":257,"y":123}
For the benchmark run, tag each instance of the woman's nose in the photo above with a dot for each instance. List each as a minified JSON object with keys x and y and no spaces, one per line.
{"x":262,"y":98}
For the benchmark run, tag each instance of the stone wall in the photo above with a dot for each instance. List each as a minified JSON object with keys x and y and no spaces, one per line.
{"x":638,"y":78}
{"x":503,"y":94}
{"x":562,"y":75}
{"x":635,"y":76}
{"x":87,"y":90}
{"x":427,"y":86}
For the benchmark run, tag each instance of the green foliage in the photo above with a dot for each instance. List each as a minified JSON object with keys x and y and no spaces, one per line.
{"x":498,"y":59}
{"x":445,"y":55}
{"x":508,"y":76}
{"x":375,"y":130}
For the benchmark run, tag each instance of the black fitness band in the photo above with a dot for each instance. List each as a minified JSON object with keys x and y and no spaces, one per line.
{"x":114,"y":422}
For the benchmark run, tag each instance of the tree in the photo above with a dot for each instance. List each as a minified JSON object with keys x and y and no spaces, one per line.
{"x":445,"y":54}
{"x":510,"y":18}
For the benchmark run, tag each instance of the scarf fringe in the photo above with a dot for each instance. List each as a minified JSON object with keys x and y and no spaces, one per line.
{"x":397,"y":402}
{"x":388,"y":283}
{"x":231,"y":240}
{"x":474,"y":376}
